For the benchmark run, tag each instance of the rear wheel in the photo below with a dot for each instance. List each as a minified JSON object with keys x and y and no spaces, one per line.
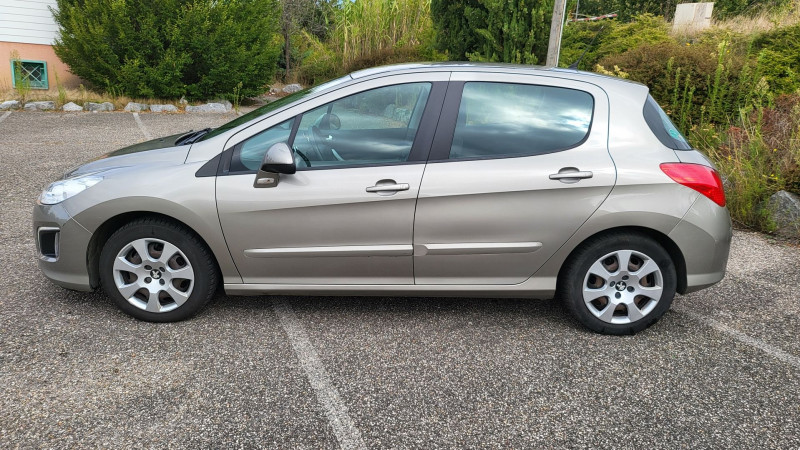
{"x":157,"y":271}
{"x":619,"y":284}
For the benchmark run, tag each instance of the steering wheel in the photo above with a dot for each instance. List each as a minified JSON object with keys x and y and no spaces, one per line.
{"x":303,"y":156}
{"x":314,"y":136}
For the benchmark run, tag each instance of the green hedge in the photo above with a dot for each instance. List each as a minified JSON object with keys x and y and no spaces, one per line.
{"x":169,"y":48}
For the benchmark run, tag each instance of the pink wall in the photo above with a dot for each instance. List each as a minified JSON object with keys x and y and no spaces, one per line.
{"x":35,"y":52}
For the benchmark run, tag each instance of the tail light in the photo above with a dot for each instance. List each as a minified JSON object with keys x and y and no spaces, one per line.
{"x":702,"y":179}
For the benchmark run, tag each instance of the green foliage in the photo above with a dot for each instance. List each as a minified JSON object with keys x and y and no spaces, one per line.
{"x":21,"y":84}
{"x":513,"y":31}
{"x":615,"y":38}
{"x":628,"y":9}
{"x":779,"y":58}
{"x":170,"y":48}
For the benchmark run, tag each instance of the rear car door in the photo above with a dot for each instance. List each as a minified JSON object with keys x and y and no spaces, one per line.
{"x":346,"y":215}
{"x":516,"y":167}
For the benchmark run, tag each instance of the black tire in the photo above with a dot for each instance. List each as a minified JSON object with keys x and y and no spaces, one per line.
{"x":200,"y":259}
{"x":575,"y":275}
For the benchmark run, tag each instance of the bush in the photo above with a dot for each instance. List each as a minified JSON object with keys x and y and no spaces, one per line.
{"x":197,"y":48}
{"x":779,"y":57}
{"x":615,"y":38}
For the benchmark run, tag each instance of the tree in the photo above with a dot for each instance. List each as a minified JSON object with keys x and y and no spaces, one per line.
{"x":308,"y":15}
{"x":514,"y":31}
{"x":170,"y":48}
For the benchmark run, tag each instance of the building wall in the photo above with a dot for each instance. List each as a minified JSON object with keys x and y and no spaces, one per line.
{"x":27,"y":26}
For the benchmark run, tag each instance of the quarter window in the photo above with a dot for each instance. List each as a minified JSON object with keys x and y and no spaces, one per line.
{"x":502,"y":120}
{"x":372,"y":127}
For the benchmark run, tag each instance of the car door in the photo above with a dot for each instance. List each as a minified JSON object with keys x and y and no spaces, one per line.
{"x":346,"y":215}
{"x":516,"y":167}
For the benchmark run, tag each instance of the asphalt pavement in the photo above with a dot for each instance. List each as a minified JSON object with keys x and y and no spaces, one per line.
{"x":720,"y":370}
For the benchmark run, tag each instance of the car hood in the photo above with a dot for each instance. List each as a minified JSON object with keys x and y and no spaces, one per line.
{"x":161,"y":150}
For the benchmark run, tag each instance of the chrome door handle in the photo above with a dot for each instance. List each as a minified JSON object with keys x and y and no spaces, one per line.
{"x":571,"y":174}
{"x":389,"y":187}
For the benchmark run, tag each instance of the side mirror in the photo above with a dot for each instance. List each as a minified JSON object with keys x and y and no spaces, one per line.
{"x":278,"y":159}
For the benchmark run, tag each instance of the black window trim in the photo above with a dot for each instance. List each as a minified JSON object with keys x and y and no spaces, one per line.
{"x":420,"y":148}
{"x":445,"y":133}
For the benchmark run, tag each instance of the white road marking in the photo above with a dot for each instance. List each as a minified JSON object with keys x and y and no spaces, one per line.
{"x":141,"y":126}
{"x":745,"y":339}
{"x":3,"y":117}
{"x":343,"y":427}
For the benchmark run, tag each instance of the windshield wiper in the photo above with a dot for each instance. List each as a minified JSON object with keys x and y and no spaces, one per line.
{"x":192,"y":136}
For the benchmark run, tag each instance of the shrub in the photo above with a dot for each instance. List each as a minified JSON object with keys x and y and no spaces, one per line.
{"x":779,"y":58}
{"x":170,"y":48}
{"x":615,"y":38}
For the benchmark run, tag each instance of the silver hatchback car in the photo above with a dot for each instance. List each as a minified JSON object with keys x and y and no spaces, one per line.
{"x":419,"y":179}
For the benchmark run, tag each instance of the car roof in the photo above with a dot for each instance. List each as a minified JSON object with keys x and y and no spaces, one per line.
{"x":556,"y":72}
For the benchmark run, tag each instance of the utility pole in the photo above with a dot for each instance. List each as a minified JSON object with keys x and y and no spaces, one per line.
{"x":556,"y":26}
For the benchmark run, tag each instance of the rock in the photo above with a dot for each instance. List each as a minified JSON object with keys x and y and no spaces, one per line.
{"x":40,"y":106}
{"x":136,"y":107}
{"x":388,"y":112}
{"x":207,"y":108}
{"x":97,"y":107}
{"x":784,"y":210}
{"x":9,"y":104}
{"x":71,"y":107}
{"x":163,"y":108}
{"x":292,"y":88}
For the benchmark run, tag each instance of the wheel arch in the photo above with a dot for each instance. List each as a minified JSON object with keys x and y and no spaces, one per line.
{"x":662,"y":239}
{"x":112,"y":224}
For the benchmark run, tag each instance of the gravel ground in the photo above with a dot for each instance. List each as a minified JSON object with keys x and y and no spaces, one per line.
{"x":722,"y":369}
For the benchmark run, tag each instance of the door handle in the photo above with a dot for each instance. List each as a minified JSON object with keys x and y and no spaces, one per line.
{"x":389,"y":187}
{"x":570,"y":175}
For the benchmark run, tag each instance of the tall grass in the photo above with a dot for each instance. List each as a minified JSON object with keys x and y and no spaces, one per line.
{"x":366,"y":27}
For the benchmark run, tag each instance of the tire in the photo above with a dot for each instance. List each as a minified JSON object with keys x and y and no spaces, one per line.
{"x":594,"y":279}
{"x":173,"y":282}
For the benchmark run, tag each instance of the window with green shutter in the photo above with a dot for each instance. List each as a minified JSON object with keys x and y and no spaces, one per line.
{"x":33,"y":73}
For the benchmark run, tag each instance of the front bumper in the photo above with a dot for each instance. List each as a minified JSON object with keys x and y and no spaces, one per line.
{"x":61,"y":245}
{"x":704,"y":237}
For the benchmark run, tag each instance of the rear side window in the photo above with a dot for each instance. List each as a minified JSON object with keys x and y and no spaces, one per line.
{"x":662,"y":126}
{"x":503,"y":120}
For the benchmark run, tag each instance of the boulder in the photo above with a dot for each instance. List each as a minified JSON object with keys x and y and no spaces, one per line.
{"x":71,"y":107}
{"x":163,"y":108}
{"x":40,"y":106}
{"x":207,"y":108}
{"x":784,"y":210}
{"x":9,"y":104}
{"x":97,"y":107}
{"x":292,"y":88}
{"x":136,"y":107}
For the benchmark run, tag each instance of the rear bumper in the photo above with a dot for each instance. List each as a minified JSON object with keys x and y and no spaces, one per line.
{"x":61,"y":245}
{"x":704,"y":238}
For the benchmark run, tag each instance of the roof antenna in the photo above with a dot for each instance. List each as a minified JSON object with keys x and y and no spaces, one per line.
{"x":574,"y":66}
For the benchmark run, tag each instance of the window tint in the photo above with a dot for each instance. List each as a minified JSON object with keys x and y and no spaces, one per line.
{"x":372,"y":127}
{"x":662,"y":126}
{"x":248,"y":155}
{"x":498,"y":119}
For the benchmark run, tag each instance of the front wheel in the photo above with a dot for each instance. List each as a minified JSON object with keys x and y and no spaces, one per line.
{"x":619,"y":284}
{"x":157,"y":271}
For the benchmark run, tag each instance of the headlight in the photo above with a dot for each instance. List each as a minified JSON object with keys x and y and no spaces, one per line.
{"x":63,"y":189}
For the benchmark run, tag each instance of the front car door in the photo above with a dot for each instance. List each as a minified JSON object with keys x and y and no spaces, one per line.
{"x":516,"y":167}
{"x":346,"y":216}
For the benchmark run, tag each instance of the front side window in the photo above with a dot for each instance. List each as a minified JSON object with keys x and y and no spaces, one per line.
{"x":504,"y":120}
{"x":372,"y":127}
{"x":248,"y":155}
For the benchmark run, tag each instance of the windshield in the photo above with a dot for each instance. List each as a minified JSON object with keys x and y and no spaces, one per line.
{"x":269,"y":107}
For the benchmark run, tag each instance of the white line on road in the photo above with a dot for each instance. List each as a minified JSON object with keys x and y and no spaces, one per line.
{"x":3,"y":117}
{"x":141,"y":126}
{"x":343,"y":427}
{"x":745,"y":339}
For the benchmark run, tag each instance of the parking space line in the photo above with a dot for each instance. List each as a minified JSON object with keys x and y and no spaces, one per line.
{"x":3,"y":117}
{"x":141,"y":126}
{"x":745,"y":339}
{"x":343,"y":427}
